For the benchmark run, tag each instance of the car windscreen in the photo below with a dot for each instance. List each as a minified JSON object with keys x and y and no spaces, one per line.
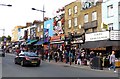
{"x":31,"y":54}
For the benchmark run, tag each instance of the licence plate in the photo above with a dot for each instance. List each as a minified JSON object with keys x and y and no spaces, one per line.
{"x":34,"y":61}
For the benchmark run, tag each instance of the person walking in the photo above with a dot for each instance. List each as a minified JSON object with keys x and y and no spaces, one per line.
{"x":78,"y":58}
{"x":112,"y":61}
{"x":56,"y":56}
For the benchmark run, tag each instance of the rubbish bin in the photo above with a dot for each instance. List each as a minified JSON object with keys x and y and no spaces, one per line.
{"x":96,"y":63}
{"x":105,"y":62}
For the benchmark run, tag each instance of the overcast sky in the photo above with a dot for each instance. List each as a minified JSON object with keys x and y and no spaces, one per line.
{"x":21,"y":12}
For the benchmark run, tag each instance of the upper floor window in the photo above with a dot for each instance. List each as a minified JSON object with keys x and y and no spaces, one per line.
{"x":38,"y":29}
{"x":94,"y":15}
{"x":75,"y":21}
{"x":110,"y":11}
{"x":75,"y":9}
{"x":69,"y":23}
{"x":41,"y":26}
{"x":119,"y":8}
{"x":110,"y":26}
{"x":94,"y":29}
{"x":59,"y":24}
{"x":69,"y":11}
{"x":86,"y":18}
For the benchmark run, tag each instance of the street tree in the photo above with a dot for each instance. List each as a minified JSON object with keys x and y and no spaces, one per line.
{"x":9,"y":38}
{"x":3,"y":37}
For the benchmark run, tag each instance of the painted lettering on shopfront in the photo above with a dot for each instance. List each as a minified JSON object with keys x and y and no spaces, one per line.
{"x":97,"y":36}
{"x":115,"y":35}
{"x":55,"y":38}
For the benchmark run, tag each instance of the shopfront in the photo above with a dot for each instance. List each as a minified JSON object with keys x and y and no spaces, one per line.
{"x":57,"y":42}
{"x":103,"y":42}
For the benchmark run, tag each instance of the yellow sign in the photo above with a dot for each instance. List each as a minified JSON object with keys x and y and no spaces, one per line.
{"x":104,"y":26}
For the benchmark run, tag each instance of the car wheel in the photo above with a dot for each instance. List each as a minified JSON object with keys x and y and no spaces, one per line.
{"x":22,"y":63}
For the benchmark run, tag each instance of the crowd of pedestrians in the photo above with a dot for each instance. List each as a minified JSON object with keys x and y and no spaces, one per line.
{"x":72,"y":56}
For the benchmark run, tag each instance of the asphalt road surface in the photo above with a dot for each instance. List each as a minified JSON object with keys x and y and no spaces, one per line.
{"x":9,"y":69}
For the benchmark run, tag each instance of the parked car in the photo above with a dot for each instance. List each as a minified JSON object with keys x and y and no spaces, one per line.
{"x":27,"y":58}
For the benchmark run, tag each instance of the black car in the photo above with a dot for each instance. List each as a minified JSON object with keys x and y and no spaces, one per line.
{"x":27,"y":58}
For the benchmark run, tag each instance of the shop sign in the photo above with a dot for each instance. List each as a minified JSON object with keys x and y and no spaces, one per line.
{"x":115,"y":35}
{"x":98,"y":48}
{"x":77,"y":40}
{"x":46,"y":35}
{"x":97,"y":36}
{"x":55,"y":38}
{"x":62,"y":37}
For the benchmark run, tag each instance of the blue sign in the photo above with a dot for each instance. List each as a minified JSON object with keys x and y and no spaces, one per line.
{"x":49,"y":25}
{"x":46,"y":35}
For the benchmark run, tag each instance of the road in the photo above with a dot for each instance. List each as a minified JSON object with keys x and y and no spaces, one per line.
{"x":9,"y":69}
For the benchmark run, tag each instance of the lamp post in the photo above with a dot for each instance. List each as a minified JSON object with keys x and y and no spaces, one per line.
{"x":6,"y":5}
{"x":9,"y":5}
{"x":4,"y":29}
{"x":43,"y":11}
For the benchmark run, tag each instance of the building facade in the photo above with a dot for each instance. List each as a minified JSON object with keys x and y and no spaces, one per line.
{"x":111,"y":14}
{"x":72,"y":22}
{"x":16,"y":33}
{"x":39,"y":30}
{"x":91,"y":16}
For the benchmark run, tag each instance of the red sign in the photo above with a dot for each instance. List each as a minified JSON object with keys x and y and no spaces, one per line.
{"x":56,"y":38}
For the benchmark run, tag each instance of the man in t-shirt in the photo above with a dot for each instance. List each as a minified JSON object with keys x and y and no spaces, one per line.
{"x":112,"y":61}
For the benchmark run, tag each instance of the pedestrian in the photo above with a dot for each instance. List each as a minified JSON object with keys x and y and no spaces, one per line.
{"x":56,"y":56}
{"x":79,"y":58}
{"x":112,"y":61}
{"x":66,"y":56}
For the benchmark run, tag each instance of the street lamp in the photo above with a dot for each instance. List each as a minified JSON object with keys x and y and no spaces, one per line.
{"x":6,"y":5}
{"x":43,"y":11}
{"x":9,"y":5}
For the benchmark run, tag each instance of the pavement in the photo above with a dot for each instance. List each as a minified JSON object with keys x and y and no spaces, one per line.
{"x":82,"y":67}
{"x":77,"y":66}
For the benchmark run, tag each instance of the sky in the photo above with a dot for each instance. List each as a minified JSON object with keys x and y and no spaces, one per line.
{"x":20,"y":13}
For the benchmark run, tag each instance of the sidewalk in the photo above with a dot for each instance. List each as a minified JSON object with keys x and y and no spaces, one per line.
{"x":81,"y":66}
{"x":75,"y":65}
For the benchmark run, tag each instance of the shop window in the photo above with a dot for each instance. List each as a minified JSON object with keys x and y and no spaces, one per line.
{"x":94,"y":29}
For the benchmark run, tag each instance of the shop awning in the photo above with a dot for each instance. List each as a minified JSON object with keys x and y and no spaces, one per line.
{"x":39,"y":43}
{"x":97,"y":44}
{"x":31,"y":42}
